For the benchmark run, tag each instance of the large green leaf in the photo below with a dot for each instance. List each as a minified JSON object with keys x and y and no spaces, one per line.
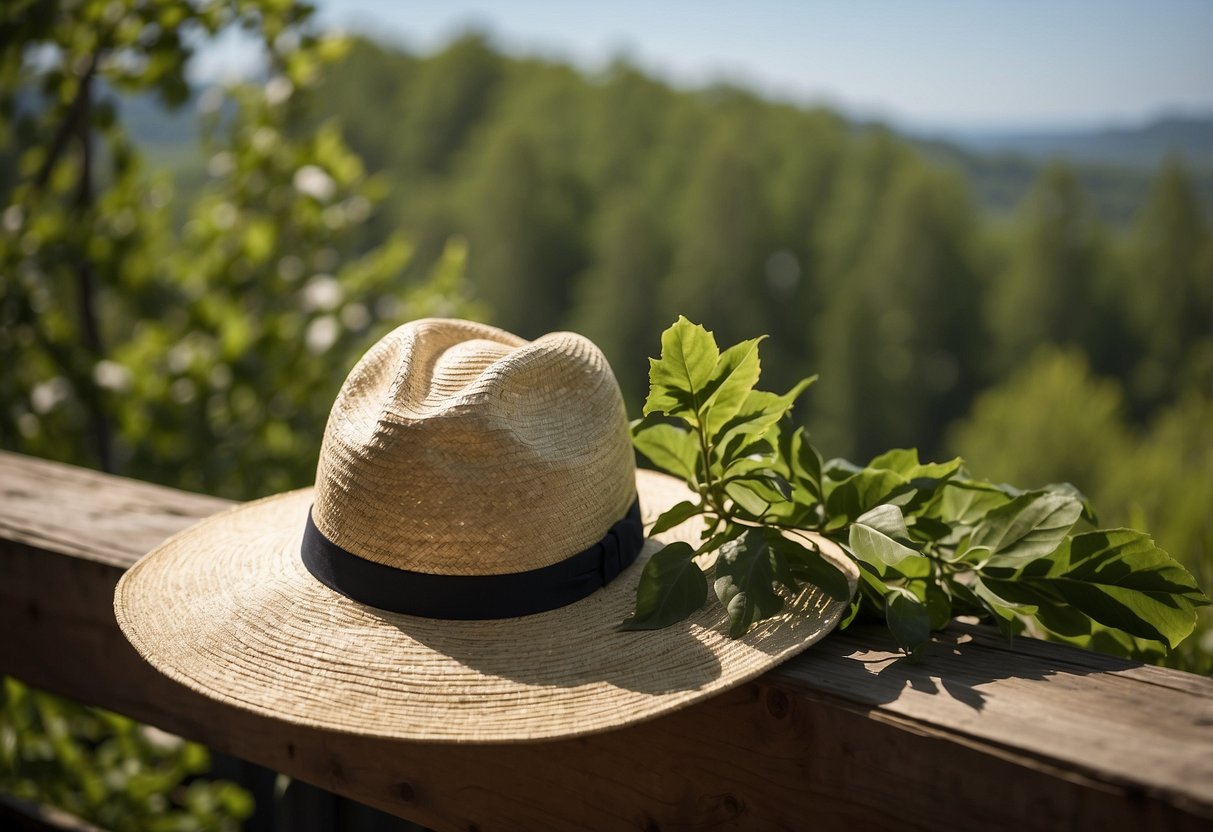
{"x":908,"y":619}
{"x":678,"y":379}
{"x":901,"y":460}
{"x":733,"y":379}
{"x":862,"y":491}
{"x":805,"y":463}
{"x":904,"y":461}
{"x":745,"y":582}
{"x":672,"y":586}
{"x":671,"y":449}
{"x":965,"y":502}
{"x":758,"y":413}
{"x":674,"y":516}
{"x":1030,"y":526}
{"x":804,"y":564}
{"x":888,"y":520}
{"x":1121,"y":579}
{"x":885,"y":555}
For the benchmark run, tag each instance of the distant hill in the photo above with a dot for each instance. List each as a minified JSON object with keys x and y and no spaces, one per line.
{"x":1116,"y":166}
{"x":998,"y":181}
{"x":1144,"y":146}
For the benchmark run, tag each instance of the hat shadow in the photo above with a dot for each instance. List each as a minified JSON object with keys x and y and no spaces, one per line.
{"x":674,"y":662}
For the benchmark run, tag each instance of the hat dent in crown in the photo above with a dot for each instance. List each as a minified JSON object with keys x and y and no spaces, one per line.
{"x":457,"y":448}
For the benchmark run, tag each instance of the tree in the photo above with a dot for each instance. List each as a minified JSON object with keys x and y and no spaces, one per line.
{"x":1056,"y":287}
{"x":1052,"y":420}
{"x":522,"y":212}
{"x":1171,"y":297}
{"x":721,"y":239}
{"x":898,"y":344}
{"x":616,"y":304}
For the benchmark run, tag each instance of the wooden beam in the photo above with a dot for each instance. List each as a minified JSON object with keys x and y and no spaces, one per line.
{"x":980,"y":734}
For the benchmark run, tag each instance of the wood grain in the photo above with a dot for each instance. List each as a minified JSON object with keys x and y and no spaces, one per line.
{"x":983,"y":734}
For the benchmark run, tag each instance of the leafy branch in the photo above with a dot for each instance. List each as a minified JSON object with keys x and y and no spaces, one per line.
{"x":929,"y":540}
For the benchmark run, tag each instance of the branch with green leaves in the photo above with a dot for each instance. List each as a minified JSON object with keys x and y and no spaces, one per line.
{"x":930,"y":541}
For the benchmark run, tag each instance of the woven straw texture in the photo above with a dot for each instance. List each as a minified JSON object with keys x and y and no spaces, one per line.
{"x":453,"y":448}
{"x":457,"y":448}
{"x":228,"y":609}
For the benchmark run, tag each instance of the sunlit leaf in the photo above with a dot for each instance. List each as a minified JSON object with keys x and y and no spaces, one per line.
{"x":670,"y":448}
{"x":678,"y":379}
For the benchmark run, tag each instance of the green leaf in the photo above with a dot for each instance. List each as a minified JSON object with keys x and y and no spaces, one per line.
{"x":764,"y":482}
{"x":677,"y":380}
{"x":1088,"y":511}
{"x":1028,"y":527}
{"x":885,"y":555}
{"x":760,"y":412}
{"x":1128,"y":557}
{"x":938,"y":602}
{"x":746,"y":497}
{"x":671,"y":449}
{"x":1004,"y":614}
{"x":899,"y":460}
{"x":675,"y":516}
{"x":804,"y":466}
{"x":745,"y":582}
{"x":1121,"y":579}
{"x":672,"y":586}
{"x":806,"y":564}
{"x":732,"y":382}
{"x":967,"y":502}
{"x":908,"y":619}
{"x":862,"y":491}
{"x":888,"y":520}
{"x":937,"y":470}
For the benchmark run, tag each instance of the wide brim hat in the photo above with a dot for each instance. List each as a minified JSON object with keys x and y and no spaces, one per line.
{"x":230,"y":609}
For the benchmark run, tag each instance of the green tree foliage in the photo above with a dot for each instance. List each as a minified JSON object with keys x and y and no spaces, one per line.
{"x":721,"y":236}
{"x":899,"y":339}
{"x":1055,"y":288}
{"x":615,"y":303}
{"x":523,"y":217}
{"x":1051,"y":421}
{"x":205,"y":356}
{"x":102,"y":766}
{"x":1171,"y":298}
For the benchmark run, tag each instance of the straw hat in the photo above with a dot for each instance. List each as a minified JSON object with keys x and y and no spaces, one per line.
{"x":444,"y":580}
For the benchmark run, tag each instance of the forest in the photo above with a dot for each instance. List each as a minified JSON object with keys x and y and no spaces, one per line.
{"x":187,"y":317}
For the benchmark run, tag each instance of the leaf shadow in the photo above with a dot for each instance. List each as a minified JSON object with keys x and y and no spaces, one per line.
{"x":961,"y":662}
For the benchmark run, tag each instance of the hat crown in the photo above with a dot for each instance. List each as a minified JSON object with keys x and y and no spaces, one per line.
{"x":456,"y":448}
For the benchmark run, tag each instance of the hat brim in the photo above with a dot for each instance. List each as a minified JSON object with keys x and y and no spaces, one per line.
{"x":227,"y":608}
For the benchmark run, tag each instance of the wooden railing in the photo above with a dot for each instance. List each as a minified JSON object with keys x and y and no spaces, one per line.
{"x":983,"y":734}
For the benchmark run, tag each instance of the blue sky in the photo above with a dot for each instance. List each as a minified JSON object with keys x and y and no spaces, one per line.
{"x":932,"y":64}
